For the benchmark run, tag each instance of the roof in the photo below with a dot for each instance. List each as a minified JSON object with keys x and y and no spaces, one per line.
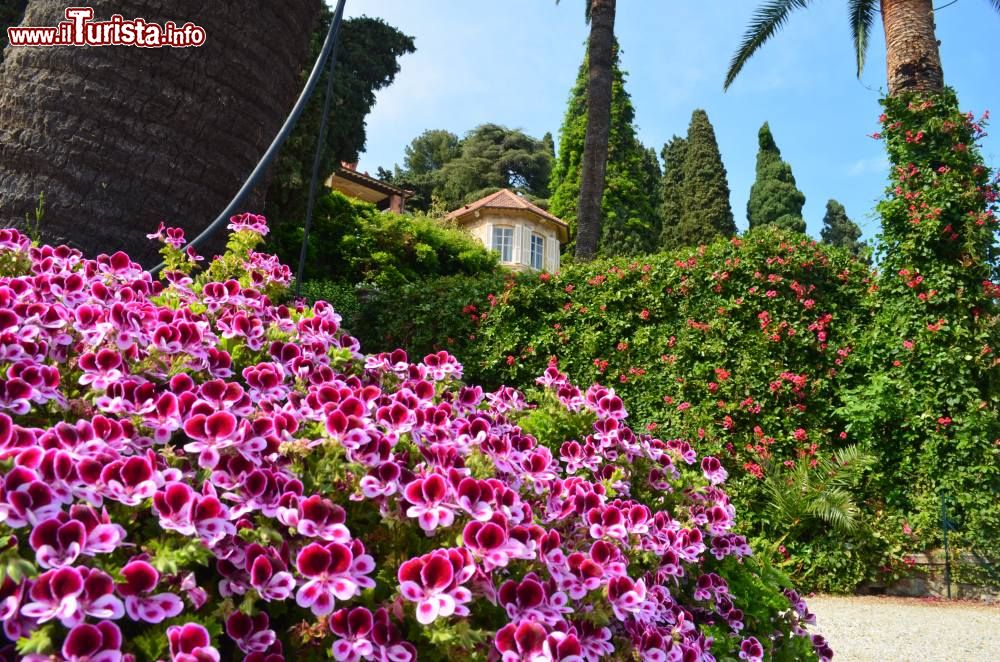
{"x":506,"y":199}
{"x":365,"y":181}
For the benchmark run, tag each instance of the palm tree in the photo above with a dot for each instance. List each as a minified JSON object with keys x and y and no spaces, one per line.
{"x":118,"y":138}
{"x":913,"y":61}
{"x":600,"y":49}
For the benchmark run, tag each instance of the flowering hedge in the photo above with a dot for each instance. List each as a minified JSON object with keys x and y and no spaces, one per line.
{"x":932,"y":399}
{"x":194,"y":472}
{"x":739,"y":347}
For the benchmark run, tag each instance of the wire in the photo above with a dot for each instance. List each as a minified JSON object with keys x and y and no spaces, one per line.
{"x":272,"y":151}
{"x":317,"y":157}
{"x":947,"y":4}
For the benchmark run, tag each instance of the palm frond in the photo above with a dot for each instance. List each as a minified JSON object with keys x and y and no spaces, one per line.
{"x":767,"y":20}
{"x":996,"y":4}
{"x":836,"y":507}
{"x":862,"y":13}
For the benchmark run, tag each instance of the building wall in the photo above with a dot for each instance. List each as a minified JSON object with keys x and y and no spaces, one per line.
{"x":482,"y":229}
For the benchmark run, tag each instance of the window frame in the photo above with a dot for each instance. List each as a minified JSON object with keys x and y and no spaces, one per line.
{"x":506,"y":232}
{"x":541,"y":251}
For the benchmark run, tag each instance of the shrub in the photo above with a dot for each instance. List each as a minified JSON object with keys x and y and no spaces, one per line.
{"x":932,"y":400}
{"x":193,"y":472}
{"x":352,"y":242}
{"x":428,"y":315}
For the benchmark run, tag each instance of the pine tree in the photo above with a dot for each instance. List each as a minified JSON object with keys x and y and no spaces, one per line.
{"x":774,"y":198}
{"x":630,"y":224}
{"x":705,"y":193}
{"x":672,"y":192}
{"x":839,"y":230}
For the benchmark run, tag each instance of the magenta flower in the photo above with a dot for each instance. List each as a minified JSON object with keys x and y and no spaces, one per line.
{"x":713,"y":470}
{"x":100,"y":369}
{"x":269,"y":574}
{"x":190,"y":643}
{"x":353,"y":627}
{"x":211,"y":433}
{"x":334,"y":572}
{"x":173,"y":237}
{"x":626,"y":597}
{"x":93,"y":643}
{"x":751,"y":650}
{"x":248,"y":222}
{"x":130,"y":482}
{"x":55,"y":594}
{"x":524,"y":641}
{"x":140,"y":581}
{"x":434,"y":581}
{"x":530,"y":599}
{"x":430,"y":497}
{"x":251,"y":634}
{"x":317,"y":517}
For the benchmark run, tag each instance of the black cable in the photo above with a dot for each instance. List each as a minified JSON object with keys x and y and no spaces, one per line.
{"x":272,"y":151}
{"x":317,"y":157}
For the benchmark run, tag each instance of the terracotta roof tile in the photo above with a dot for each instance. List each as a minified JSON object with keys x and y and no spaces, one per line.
{"x":505,"y":199}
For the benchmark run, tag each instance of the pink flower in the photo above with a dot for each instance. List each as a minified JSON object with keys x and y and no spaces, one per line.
{"x":334,"y":572}
{"x":140,"y":580}
{"x":190,"y":643}
{"x":434,"y":581}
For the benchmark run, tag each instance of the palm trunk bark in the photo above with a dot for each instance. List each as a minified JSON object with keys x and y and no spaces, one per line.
{"x":600,"y":51}
{"x":913,"y":60}
{"x":120,"y":138}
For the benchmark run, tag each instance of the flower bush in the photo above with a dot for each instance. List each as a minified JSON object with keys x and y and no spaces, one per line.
{"x":193,"y":471}
{"x":931,"y":400}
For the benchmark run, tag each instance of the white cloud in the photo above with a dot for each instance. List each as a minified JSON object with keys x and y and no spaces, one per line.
{"x":872,"y":165}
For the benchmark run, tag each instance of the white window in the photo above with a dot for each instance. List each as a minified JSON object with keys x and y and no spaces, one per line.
{"x":503,"y":243}
{"x":537,"y":251}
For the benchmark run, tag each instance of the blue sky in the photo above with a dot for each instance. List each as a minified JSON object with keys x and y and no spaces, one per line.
{"x":514,"y":62}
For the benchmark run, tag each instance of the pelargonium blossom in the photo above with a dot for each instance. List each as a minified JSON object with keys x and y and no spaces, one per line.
{"x":183,"y":448}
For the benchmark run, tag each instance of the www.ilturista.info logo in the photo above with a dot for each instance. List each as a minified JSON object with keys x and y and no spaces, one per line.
{"x":79,"y":29}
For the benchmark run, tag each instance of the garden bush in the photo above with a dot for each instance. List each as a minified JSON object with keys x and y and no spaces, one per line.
{"x":193,"y":472}
{"x":931,"y":399}
{"x":352,"y":242}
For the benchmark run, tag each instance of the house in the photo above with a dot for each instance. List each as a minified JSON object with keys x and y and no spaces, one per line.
{"x":525,"y":235}
{"x":363,"y":186}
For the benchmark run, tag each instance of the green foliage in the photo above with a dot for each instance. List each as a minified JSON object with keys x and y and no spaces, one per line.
{"x":932,"y":399}
{"x":808,"y":495}
{"x":494,"y":156}
{"x":774,"y":198}
{"x":440,"y":313}
{"x":423,"y":160}
{"x":705,"y":192}
{"x":630,"y":223}
{"x":368,"y":53}
{"x":342,"y":296}
{"x":352,"y":242}
{"x":446,"y":173}
{"x":672,"y":192}
{"x":840,"y":230}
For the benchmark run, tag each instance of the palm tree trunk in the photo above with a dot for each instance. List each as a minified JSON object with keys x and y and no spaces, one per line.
{"x":119,"y":138}
{"x":913,"y":61}
{"x":595,"y":147}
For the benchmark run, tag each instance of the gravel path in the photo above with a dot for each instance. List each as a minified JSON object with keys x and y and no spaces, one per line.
{"x":879,"y":629}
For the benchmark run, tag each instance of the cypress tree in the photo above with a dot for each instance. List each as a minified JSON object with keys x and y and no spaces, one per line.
{"x":630,"y":224}
{"x":774,"y":198}
{"x":839,"y":230}
{"x":672,"y":192}
{"x":705,"y":193}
